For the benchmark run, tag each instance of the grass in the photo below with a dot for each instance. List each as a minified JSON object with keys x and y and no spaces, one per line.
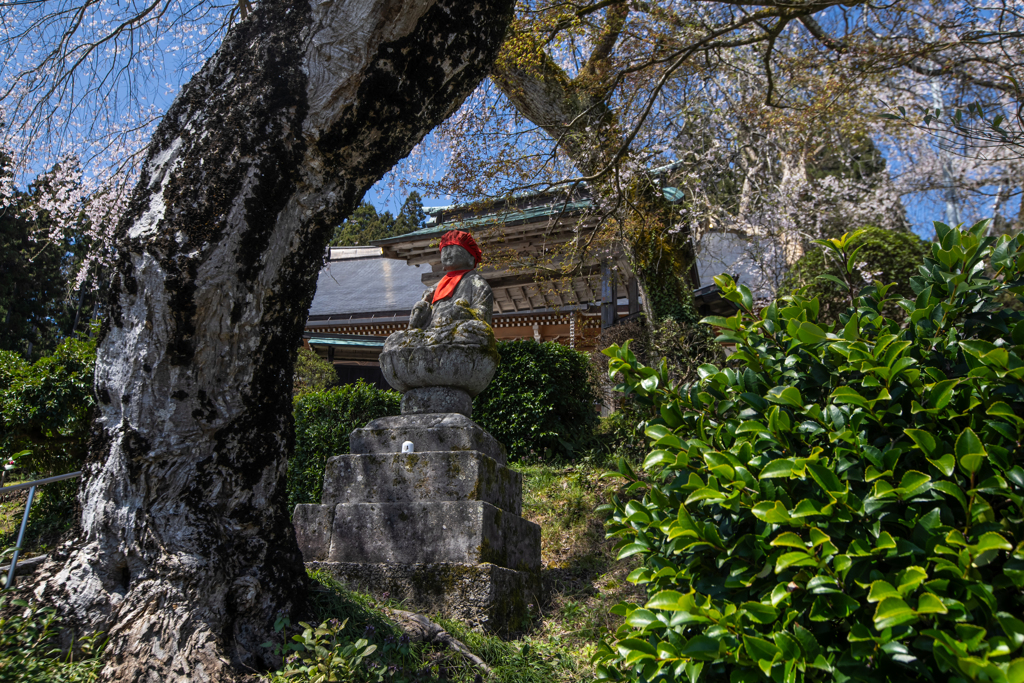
{"x":582,"y":578}
{"x":51,"y":517}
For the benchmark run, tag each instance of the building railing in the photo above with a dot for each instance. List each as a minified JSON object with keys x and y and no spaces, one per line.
{"x":31,"y":486}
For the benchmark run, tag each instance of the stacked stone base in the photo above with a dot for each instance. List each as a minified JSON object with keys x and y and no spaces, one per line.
{"x":483,"y":596}
{"x":437,"y":530}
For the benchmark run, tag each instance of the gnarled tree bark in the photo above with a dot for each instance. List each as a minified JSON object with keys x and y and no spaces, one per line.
{"x":187,"y":553}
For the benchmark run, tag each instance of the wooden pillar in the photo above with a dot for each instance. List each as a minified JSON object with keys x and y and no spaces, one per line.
{"x":633,"y":293}
{"x":609,"y":296}
{"x":330,"y":354}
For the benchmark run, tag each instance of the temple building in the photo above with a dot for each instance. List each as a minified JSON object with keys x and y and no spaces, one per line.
{"x":366,"y":293}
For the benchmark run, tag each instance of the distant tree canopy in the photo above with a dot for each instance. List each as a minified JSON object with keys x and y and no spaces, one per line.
{"x":366,"y":225}
{"x":39,"y":304}
{"x":312,"y":373}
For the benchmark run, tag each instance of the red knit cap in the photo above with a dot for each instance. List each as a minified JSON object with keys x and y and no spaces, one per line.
{"x":464,"y":240}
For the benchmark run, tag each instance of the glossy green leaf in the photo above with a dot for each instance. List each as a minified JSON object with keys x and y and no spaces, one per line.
{"x":700,"y":647}
{"x":1012,"y":627}
{"x":789,"y":539}
{"x":794,"y":559}
{"x":759,"y":649}
{"x":772,"y":512}
{"x":969,"y":451}
{"x":928,"y":603}
{"x":892,"y":612}
{"x":759,"y":612}
{"x":666,"y":600}
{"x":909,"y":579}
{"x":1001,"y":410}
{"x":945,"y":464}
{"x":923,"y":440}
{"x":941,"y":393}
{"x":631,"y":549}
{"x":849,"y":396}
{"x":881,"y":590}
{"x":779,"y":468}
{"x":990,"y":541}
{"x":789,"y":396}
{"x":641,"y":617}
{"x":636,"y":646}
{"x":809,"y":333}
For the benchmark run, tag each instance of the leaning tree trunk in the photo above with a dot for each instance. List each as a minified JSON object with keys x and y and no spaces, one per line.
{"x":187,"y":553}
{"x":577,"y":116}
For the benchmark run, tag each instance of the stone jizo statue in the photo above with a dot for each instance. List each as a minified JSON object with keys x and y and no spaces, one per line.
{"x":462,"y":294}
{"x":448,"y":355}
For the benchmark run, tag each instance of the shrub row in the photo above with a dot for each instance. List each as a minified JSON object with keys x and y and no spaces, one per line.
{"x":541,"y":402}
{"x":323,"y":421}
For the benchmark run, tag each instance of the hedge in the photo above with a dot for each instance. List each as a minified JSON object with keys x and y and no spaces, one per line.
{"x":881,"y":255}
{"x":323,"y":421}
{"x":541,"y":402}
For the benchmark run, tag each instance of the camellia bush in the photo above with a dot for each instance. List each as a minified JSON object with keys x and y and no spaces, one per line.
{"x":541,"y":400}
{"x":842,"y":502}
{"x":877,"y":255}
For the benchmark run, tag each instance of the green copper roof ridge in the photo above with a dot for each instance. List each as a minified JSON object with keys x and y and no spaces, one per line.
{"x":331,"y":341}
{"x":507,"y":217}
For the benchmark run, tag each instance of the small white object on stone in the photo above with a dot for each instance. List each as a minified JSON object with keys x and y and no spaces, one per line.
{"x":408,"y":447}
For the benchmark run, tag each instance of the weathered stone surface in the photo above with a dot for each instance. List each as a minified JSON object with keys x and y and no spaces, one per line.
{"x":429,"y":432}
{"x":484,"y":596}
{"x":472,"y":298}
{"x":430,"y":476}
{"x":463,"y":355}
{"x":437,"y":400}
{"x":313,"y":526}
{"x":468,"y":532}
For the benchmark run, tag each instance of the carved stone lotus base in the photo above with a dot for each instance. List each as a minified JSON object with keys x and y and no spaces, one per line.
{"x":460,"y":356}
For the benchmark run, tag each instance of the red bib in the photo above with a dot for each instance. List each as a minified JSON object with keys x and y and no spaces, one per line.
{"x":446,"y":287}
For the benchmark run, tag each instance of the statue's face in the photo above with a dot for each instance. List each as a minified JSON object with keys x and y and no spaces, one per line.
{"x":454,"y":257}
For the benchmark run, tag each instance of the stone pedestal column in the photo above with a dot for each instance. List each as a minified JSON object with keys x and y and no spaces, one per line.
{"x":437,"y":529}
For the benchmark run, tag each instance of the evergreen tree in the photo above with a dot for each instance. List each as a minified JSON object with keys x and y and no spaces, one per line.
{"x":365,"y":225}
{"x":411,"y":217}
{"x":39,"y":302}
{"x":31,"y":278}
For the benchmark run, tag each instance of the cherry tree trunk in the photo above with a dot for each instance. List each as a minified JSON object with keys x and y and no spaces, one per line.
{"x":186,"y":553}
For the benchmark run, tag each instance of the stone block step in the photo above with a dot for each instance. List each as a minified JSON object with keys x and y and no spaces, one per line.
{"x":465,"y":532}
{"x":428,"y":432}
{"x":429,"y":476}
{"x":483,"y":596}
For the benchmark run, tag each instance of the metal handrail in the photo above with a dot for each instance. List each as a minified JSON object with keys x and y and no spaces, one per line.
{"x":40,"y":482}
{"x":31,"y":486}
